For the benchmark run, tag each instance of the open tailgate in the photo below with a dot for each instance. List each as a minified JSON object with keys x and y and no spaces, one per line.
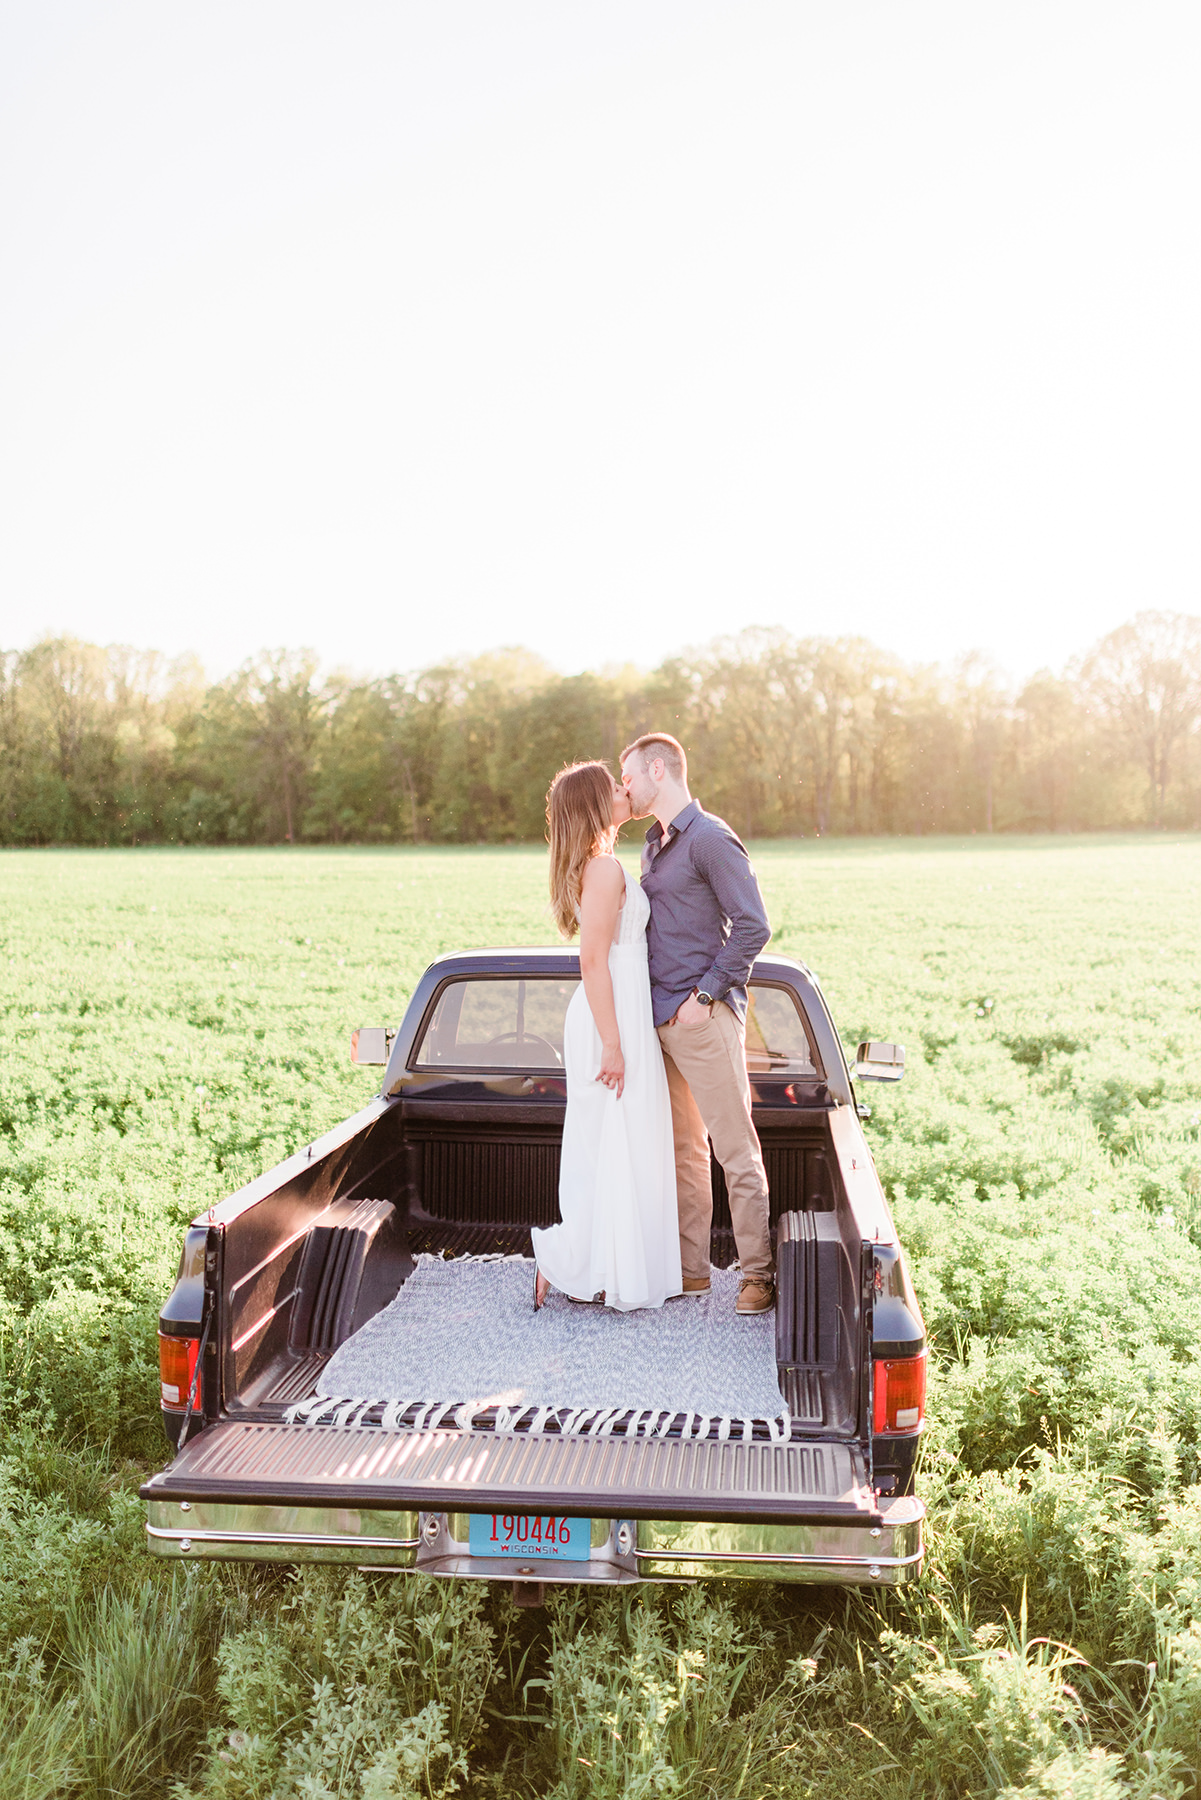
{"x":251,"y":1463}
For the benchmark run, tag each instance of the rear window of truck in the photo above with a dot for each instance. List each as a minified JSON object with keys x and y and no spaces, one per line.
{"x":511,"y":1022}
{"x":516,"y":1022}
{"x":777,"y":1041}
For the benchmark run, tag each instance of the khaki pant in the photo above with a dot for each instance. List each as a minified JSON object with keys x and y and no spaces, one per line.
{"x":711,"y":1098}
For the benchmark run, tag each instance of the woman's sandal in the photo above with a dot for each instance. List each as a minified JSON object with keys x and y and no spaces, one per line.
{"x":541,"y":1289}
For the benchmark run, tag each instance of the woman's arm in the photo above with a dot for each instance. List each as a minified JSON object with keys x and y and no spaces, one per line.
{"x":602,"y":891}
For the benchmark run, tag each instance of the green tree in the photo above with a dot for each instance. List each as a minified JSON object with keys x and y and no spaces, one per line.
{"x":258,"y":742}
{"x":1051,"y":733}
{"x":1144,"y":680}
{"x":483,"y":702}
{"x":983,"y":708}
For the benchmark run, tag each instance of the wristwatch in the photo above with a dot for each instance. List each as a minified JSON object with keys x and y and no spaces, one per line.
{"x":704,"y":998}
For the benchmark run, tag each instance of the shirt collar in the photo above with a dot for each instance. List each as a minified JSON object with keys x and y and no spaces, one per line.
{"x":681,"y":822}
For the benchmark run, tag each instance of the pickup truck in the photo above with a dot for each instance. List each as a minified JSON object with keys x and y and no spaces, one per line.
{"x":438,"y":1181}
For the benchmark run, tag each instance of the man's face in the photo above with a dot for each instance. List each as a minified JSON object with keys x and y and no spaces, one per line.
{"x":640,"y":784}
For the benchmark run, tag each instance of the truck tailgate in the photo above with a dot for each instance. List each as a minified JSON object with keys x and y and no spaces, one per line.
{"x":253,"y":1463}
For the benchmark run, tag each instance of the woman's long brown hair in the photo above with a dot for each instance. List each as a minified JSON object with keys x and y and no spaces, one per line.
{"x":579,"y":818}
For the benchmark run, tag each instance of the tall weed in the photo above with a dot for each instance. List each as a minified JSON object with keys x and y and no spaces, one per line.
{"x":645,"y":1697}
{"x":995,"y":1713}
{"x":40,"y":1732}
{"x":351,"y":1690}
{"x":136,"y":1667}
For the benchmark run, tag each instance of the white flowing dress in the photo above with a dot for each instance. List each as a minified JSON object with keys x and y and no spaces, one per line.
{"x":617,"y":1181}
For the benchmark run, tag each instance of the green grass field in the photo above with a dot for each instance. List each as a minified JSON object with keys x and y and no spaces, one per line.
{"x":176,"y":1021}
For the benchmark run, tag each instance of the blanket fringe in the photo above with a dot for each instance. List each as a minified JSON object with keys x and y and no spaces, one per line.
{"x":359,"y":1414}
{"x":474,"y":1256}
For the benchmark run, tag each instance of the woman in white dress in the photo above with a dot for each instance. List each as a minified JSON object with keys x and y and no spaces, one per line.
{"x":619,"y":1237}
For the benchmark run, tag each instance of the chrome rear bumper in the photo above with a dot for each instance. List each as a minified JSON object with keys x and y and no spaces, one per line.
{"x":623,"y":1550}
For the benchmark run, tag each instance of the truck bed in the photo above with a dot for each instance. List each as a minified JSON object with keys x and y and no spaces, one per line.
{"x":338,"y":1421}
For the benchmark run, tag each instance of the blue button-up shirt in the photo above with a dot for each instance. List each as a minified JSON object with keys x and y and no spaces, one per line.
{"x":708,"y":922}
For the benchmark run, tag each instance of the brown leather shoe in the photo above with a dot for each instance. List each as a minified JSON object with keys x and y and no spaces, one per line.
{"x":695,"y":1284}
{"x":756,"y":1294}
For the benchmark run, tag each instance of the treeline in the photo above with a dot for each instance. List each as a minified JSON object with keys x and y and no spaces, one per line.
{"x":786,"y":736}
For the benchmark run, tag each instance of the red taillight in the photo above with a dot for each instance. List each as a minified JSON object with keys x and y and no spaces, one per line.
{"x":899,"y":1395}
{"x":176,"y":1367}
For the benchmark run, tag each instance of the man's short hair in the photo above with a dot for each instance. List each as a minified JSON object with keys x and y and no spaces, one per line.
{"x":659,"y":743}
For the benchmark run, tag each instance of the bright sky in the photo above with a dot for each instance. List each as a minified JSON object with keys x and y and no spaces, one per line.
{"x":415,"y":327}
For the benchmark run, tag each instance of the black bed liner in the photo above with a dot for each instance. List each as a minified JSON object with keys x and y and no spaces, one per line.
{"x":441,"y":1237}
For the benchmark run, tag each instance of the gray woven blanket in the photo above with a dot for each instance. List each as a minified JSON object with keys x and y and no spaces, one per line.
{"x":466,"y":1331}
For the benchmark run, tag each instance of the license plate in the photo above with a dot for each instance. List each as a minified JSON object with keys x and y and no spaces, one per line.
{"x":530,"y":1534}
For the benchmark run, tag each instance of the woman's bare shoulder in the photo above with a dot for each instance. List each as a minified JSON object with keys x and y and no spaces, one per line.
{"x":603,"y":874}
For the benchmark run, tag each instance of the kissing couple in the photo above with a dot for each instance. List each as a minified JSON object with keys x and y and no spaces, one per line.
{"x":653,"y":1040}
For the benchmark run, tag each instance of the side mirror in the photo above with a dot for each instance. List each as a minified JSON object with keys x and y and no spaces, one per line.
{"x":879,"y":1062}
{"x":371,"y":1044}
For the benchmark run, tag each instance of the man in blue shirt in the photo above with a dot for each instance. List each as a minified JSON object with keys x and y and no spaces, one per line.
{"x":707,"y":925}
